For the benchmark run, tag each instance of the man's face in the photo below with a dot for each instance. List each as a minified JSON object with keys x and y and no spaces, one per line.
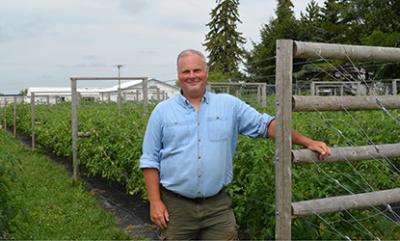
{"x":192,"y":75}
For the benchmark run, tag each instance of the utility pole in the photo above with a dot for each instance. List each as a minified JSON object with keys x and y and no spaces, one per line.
{"x":119,"y":87}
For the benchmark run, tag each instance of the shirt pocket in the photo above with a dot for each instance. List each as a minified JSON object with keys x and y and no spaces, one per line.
{"x":218,"y":128}
{"x":176,"y":133}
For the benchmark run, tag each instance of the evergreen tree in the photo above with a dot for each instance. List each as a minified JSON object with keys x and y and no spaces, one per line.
{"x":339,"y":24}
{"x":260,"y":64}
{"x":310,"y":28}
{"x":377,"y":15}
{"x":223,"y":41}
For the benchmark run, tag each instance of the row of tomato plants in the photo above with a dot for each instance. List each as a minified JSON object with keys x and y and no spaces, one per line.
{"x":113,"y":149}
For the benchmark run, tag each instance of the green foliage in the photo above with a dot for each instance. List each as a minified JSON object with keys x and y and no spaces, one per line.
{"x":310,"y":28}
{"x":113,"y":147}
{"x":223,"y":41}
{"x":50,"y":205}
{"x":216,"y":76}
{"x":113,"y":151}
{"x":378,"y":38}
{"x":371,"y":22}
{"x":8,"y":207}
{"x":260,"y":62}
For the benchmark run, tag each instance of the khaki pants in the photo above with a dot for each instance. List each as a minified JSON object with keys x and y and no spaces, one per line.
{"x":206,"y":219}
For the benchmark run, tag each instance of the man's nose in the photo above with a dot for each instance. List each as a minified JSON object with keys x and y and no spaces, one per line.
{"x":192,"y":74}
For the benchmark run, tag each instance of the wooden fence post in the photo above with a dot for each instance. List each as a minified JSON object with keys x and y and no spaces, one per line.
{"x":74,"y":106}
{"x":15,"y":117}
{"x":283,"y":182}
{"x":33,"y":119}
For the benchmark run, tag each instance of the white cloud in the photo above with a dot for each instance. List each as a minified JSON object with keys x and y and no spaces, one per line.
{"x":44,"y":42}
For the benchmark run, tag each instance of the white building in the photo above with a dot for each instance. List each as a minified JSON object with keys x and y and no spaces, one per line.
{"x":130,"y":91}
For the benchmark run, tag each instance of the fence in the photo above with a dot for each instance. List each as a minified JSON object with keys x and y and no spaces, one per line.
{"x":250,"y":92}
{"x":75,"y":104}
{"x":286,"y":103}
{"x":4,"y":102}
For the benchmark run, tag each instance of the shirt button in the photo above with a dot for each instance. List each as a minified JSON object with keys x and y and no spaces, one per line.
{"x":199,"y":157}
{"x":198,"y":140}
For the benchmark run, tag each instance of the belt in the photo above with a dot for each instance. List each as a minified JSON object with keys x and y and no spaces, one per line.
{"x":197,"y":199}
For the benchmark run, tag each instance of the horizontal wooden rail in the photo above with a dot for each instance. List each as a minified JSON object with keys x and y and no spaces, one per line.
{"x":312,"y":50}
{"x":343,"y":154}
{"x":340,"y":203}
{"x":340,"y":103}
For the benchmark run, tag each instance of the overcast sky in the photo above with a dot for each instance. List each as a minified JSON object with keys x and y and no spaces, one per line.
{"x":45,"y":42}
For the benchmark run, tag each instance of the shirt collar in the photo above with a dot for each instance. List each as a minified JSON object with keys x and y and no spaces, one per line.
{"x":185,"y":102}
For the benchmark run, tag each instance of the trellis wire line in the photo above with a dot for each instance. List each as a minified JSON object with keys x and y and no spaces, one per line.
{"x":348,"y":57}
{"x":372,"y":235}
{"x":347,"y":188}
{"x":329,"y":63}
{"x":338,"y":183}
{"x":348,"y":74}
{"x":346,"y":138}
{"x":387,"y":112}
{"x":369,"y":139}
{"x":377,"y":214}
{"x":352,"y":216}
{"x":317,"y":227}
{"x":333,"y":228}
{"x":347,"y":110}
{"x":389,"y":208}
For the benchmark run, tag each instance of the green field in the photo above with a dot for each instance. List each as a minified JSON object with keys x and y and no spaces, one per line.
{"x":45,"y":203}
{"x":113,"y":149}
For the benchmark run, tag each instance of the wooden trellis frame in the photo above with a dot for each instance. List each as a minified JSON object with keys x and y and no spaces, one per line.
{"x":286,"y":50}
{"x":74,"y":106}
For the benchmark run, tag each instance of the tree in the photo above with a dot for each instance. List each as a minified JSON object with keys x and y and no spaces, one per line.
{"x":223,"y":41}
{"x":310,"y":28}
{"x":23,"y":92}
{"x":260,"y":64}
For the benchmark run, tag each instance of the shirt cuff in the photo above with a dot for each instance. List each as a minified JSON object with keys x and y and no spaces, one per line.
{"x":149,"y":163}
{"x":268,"y":120}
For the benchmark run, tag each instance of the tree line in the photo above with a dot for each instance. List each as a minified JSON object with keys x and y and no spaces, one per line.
{"x":361,"y":22}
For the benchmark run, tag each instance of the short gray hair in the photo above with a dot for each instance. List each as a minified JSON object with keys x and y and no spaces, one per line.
{"x":191,"y":51}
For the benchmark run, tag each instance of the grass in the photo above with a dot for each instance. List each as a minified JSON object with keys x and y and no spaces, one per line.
{"x":50,"y":205}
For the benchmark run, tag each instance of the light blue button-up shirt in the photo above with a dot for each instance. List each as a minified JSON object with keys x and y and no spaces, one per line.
{"x":193,"y":151}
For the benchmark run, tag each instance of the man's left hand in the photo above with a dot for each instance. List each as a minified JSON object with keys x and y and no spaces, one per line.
{"x":321,"y":148}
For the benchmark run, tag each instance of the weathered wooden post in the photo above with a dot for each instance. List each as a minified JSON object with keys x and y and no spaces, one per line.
{"x":285,"y":209}
{"x":264,"y":95}
{"x":74,"y":106}
{"x":33,"y":119}
{"x":145,"y":93}
{"x":15,"y":117}
{"x":5,"y":113}
{"x":283,"y":182}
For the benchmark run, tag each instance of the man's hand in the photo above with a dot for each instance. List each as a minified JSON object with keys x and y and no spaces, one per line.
{"x":159,"y":214}
{"x":320,"y":147}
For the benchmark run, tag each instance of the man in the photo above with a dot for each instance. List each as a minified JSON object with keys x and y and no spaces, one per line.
{"x":188,"y":150}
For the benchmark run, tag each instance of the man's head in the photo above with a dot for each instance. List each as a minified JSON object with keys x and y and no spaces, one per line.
{"x":192,"y":73}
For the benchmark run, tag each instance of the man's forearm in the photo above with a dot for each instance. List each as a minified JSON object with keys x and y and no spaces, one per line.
{"x":152,"y":180}
{"x":320,"y":147}
{"x":297,"y":138}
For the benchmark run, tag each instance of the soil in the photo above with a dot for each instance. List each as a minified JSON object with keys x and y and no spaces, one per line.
{"x":131,"y":212}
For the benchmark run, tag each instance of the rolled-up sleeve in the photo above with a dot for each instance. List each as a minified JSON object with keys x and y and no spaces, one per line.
{"x":252,"y":123}
{"x":152,"y":142}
